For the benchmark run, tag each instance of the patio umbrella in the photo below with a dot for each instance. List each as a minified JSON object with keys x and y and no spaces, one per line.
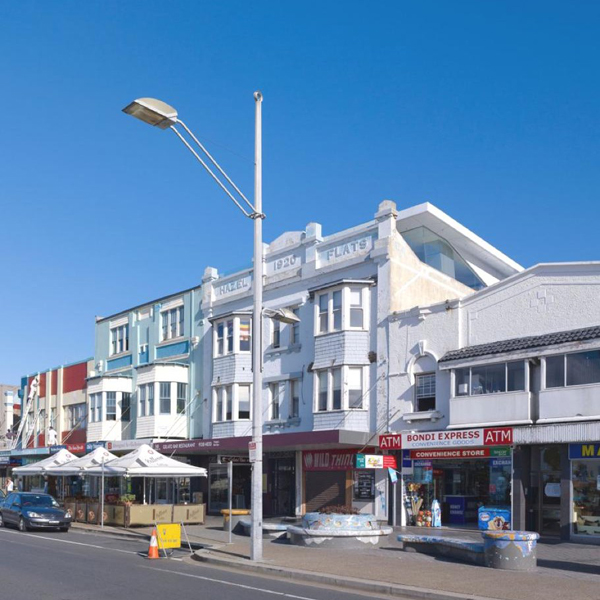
{"x":43,"y":467}
{"x":146,"y":462}
{"x":81,"y":466}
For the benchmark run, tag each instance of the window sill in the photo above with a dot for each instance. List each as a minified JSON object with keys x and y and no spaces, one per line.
{"x":270,"y":351}
{"x":426,"y":415}
{"x":339,"y":410}
{"x":120,"y":354}
{"x":346,"y":330}
{"x":240,"y":353}
{"x":283,"y":424}
{"x":174,"y":340}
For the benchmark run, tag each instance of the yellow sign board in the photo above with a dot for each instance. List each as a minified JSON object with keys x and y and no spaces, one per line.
{"x":169,"y":535}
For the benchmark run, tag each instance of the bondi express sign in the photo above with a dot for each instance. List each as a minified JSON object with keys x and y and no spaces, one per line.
{"x":491,"y":436}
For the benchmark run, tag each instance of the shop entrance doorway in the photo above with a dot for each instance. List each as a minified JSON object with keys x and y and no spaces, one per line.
{"x":280,"y":500}
{"x":550,"y":496}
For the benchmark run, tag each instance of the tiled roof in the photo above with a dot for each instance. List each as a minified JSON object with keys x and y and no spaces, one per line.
{"x":524,"y":343}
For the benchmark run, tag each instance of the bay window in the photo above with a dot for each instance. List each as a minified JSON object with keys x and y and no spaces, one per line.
{"x":165,"y":398}
{"x":181,"y":397}
{"x":340,"y":388}
{"x":576,"y":368}
{"x":111,"y":406}
{"x":119,"y":339}
{"x":231,"y":403}
{"x":342,"y":309}
{"x":232,"y":335}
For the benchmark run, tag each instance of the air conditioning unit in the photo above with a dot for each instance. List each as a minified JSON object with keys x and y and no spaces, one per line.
{"x":463,"y":389}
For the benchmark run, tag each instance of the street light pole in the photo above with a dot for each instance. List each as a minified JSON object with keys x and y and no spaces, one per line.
{"x":256,"y":546}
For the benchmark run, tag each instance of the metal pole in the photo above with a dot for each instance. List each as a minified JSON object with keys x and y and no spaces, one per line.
{"x":102,"y":497}
{"x":257,"y":468}
{"x":230,"y":495}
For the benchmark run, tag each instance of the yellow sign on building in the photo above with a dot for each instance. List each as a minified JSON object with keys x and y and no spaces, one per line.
{"x":169,"y":535}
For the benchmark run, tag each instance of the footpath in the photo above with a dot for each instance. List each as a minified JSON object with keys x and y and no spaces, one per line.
{"x":565,"y":570}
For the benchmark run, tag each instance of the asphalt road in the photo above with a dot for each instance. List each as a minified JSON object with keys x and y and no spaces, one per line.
{"x":86,"y":566}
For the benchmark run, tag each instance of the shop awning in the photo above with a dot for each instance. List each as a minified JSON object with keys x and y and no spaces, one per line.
{"x":146,"y":462}
{"x":42,"y":467}
{"x":81,"y":466}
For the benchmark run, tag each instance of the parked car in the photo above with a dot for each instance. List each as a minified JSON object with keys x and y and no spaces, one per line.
{"x":28,"y":510}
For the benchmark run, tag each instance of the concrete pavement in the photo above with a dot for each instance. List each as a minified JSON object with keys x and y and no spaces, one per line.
{"x":564,"y":569}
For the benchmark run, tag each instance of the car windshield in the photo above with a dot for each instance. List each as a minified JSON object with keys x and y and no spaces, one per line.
{"x":37,"y":500}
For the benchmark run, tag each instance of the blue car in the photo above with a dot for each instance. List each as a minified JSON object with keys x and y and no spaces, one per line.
{"x":27,"y":510}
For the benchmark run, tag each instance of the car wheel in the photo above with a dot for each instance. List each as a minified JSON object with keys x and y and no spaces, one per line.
{"x":22,"y":526}
{"x":1,"y":521}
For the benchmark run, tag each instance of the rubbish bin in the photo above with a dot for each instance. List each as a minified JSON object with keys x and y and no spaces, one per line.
{"x":493,"y":518}
{"x":237,"y":515}
{"x":510,"y":550}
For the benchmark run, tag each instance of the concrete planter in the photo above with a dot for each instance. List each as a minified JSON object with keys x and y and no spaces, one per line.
{"x":510,"y":550}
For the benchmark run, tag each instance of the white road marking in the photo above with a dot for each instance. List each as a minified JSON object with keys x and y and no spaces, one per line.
{"x":231,"y":583}
{"x":43,"y":537}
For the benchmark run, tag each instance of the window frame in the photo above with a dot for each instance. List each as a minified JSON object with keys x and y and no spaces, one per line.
{"x":505,"y":363}
{"x":432,"y":376}
{"x":112,"y":415}
{"x":181,"y":399}
{"x":228,"y":337}
{"x":329,"y":375}
{"x":172,"y":322}
{"x":164,"y":398}
{"x":119,"y":339}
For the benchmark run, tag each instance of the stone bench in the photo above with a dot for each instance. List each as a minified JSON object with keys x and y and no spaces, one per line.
{"x":509,"y":550}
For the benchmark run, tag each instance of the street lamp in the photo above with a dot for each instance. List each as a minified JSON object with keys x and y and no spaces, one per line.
{"x":161,"y":115}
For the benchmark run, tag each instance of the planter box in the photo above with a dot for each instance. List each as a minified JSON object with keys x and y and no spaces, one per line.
{"x":71,"y":507}
{"x":114,"y":514}
{"x":189,"y":513}
{"x":80,"y":512}
{"x":147,"y":514}
{"x":93,"y":513}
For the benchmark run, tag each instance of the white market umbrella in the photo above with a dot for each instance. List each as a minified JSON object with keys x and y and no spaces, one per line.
{"x":81,"y":466}
{"x":146,"y":462}
{"x":62,"y":457}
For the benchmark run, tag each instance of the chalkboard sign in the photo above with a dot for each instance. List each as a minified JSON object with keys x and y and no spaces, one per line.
{"x":364,"y":485}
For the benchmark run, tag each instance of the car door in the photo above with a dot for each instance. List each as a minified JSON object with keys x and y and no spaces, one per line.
{"x":7,"y":508}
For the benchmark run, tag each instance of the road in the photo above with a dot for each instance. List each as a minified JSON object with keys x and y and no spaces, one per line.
{"x":87,"y":566}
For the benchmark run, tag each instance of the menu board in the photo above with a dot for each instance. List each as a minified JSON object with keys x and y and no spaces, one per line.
{"x":364,"y":485}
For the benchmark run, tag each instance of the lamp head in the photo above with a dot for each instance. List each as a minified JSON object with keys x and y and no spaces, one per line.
{"x":154,"y":112}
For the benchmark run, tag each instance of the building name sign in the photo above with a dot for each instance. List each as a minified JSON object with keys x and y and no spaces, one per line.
{"x":584,"y":451}
{"x":459,"y":453}
{"x":492,"y":436}
{"x":346,"y":250}
{"x":231,"y":287}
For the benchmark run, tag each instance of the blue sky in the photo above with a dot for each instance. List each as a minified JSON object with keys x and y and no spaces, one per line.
{"x":489,"y":110}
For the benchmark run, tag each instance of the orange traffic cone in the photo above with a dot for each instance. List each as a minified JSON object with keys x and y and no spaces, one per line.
{"x":153,"y":549}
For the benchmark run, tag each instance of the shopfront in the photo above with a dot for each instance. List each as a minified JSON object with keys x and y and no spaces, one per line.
{"x":585,"y":476}
{"x":463,"y":470}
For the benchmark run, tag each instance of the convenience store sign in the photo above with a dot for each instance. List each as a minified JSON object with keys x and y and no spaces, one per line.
{"x":448,"y":453}
{"x":457,"y":438}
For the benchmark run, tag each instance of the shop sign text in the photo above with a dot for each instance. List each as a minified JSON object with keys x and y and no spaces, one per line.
{"x":492,"y":436}
{"x":584,"y":451}
{"x":375,"y":461}
{"x":446,"y":453}
{"x":390,"y":441}
{"x":328,"y":460}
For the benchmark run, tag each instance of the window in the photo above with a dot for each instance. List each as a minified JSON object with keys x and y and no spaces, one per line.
{"x":181,"y":398}
{"x":150,"y":396}
{"x":111,"y":406}
{"x":425,"y":392}
{"x":119,"y":339}
{"x":323,"y":387}
{"x":245,"y":335}
{"x":229,"y":337}
{"x":142,"y":395}
{"x":165,"y":398}
{"x":172,"y":323}
{"x":337,"y":389}
{"x":232,"y":334}
{"x":356,"y":310}
{"x":243,"y":401}
{"x":340,"y":388}
{"x":295,"y":329}
{"x":274,"y":401}
{"x":355,"y":387}
{"x":583,"y":367}
{"x":126,"y":406}
{"x":76,"y":416}
{"x":341,"y":309}
{"x":490,"y":379}
{"x":96,"y":407}
{"x":53,"y":418}
{"x":276,"y":333}
{"x":555,"y":371}
{"x":294,"y":398}
{"x":223,"y":401}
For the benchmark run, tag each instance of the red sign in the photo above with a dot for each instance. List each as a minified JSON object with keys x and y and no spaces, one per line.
{"x":390,"y":441}
{"x":328,"y":460}
{"x":76,"y":448}
{"x":456,"y":438}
